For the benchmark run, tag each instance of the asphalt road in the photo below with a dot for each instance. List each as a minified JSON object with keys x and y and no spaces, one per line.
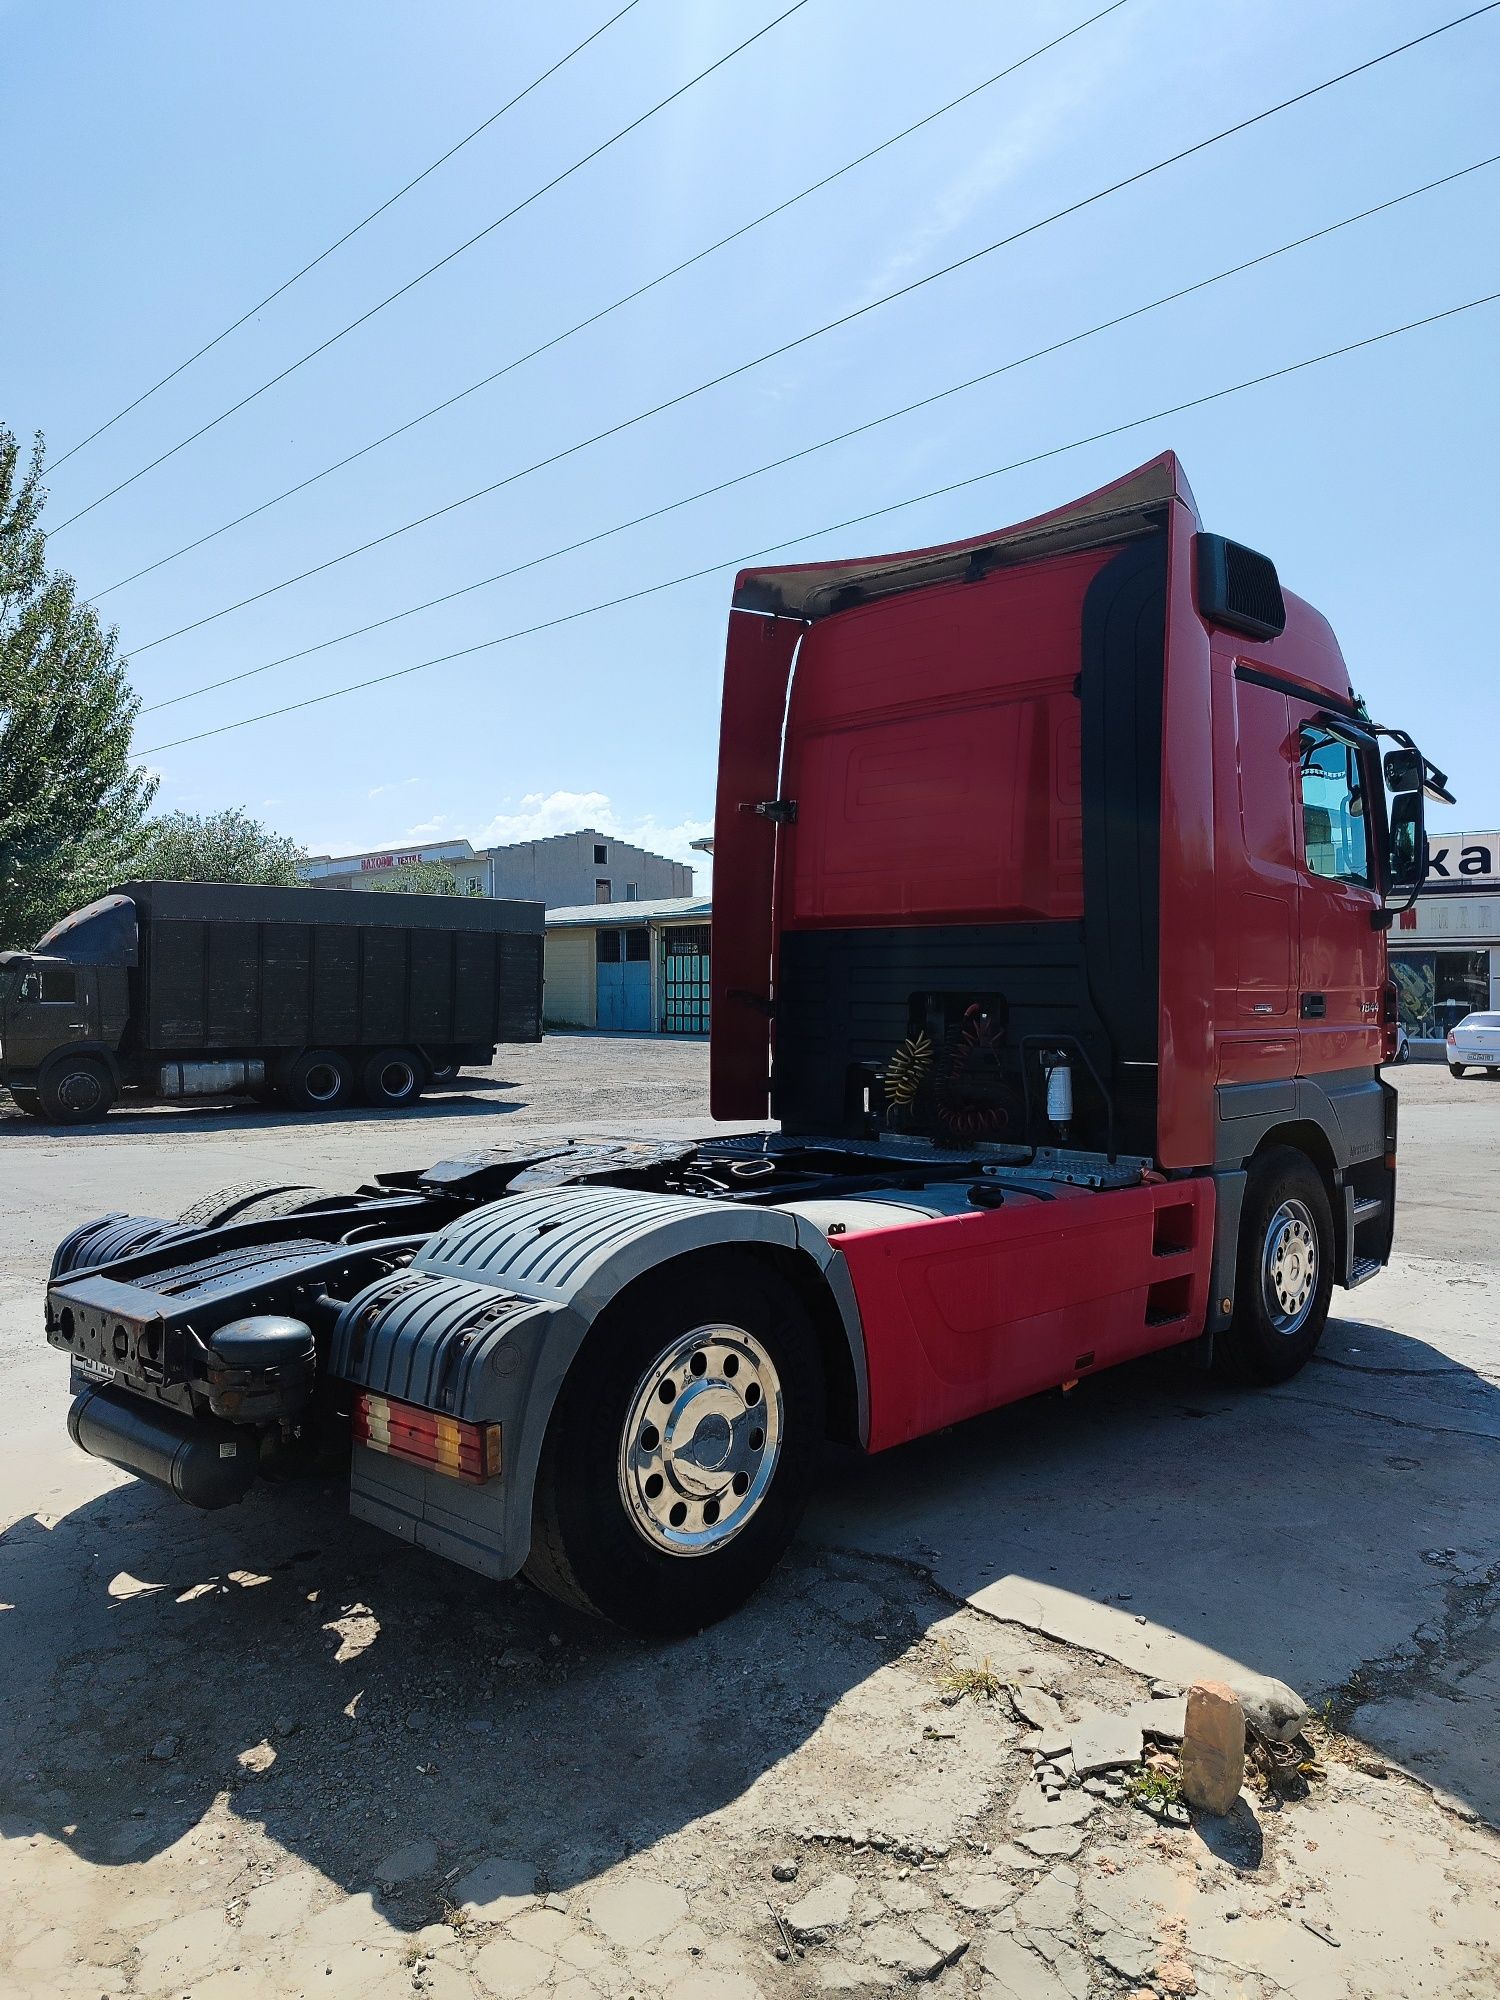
{"x":338,"y":1712}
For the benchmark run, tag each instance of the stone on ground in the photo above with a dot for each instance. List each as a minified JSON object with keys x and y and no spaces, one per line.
{"x":1105,"y":1743}
{"x":1213,"y":1747}
{"x":1272,"y":1709}
{"x":1163,"y":1718}
{"x":1033,"y":1705}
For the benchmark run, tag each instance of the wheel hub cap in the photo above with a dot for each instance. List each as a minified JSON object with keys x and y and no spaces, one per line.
{"x":701,"y":1440}
{"x":1289,"y":1267}
{"x":80,"y":1092}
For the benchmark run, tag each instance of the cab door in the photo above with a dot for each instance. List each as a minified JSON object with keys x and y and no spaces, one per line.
{"x":1259,"y":872}
{"x":50,"y":1011}
{"x":1341,"y":960}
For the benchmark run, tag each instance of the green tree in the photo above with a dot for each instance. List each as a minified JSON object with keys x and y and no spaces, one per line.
{"x":71,"y":801}
{"x":416,"y":878}
{"x":225,"y":846}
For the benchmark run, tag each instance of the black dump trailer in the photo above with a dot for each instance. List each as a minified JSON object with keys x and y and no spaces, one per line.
{"x":310,"y":996}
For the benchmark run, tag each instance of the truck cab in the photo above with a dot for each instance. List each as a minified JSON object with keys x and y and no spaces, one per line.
{"x":64,"y":1007}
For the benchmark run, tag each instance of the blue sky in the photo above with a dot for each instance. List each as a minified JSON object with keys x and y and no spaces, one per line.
{"x":168,"y":164}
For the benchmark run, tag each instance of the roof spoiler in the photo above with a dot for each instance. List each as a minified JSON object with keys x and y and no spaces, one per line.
{"x":1129,"y":506}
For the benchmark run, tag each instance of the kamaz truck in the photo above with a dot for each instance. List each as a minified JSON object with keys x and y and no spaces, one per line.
{"x":169,"y":990}
{"x":1053,"y":875}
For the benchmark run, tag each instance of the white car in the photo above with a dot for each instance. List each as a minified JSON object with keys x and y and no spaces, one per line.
{"x":1474,"y":1043}
{"x":1403,"y":1044}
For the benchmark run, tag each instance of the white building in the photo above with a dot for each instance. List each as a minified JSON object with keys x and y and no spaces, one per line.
{"x":1445,"y":952}
{"x":562,"y":870}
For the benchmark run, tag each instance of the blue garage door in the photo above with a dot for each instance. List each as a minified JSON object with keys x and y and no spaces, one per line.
{"x":623,"y":996}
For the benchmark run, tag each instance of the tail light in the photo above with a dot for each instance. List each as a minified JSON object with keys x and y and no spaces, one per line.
{"x":444,"y":1444}
{"x":1449,"y":1039}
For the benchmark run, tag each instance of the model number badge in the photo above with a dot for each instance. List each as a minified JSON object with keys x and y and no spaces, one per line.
{"x":96,"y":1371}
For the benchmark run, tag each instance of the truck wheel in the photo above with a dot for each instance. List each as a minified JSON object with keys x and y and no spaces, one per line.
{"x":27,"y":1101}
{"x":441,"y":1068}
{"x":245,"y":1201}
{"x":76,"y":1090}
{"x":317,"y":1081}
{"x":1284,"y":1277}
{"x":391,"y":1078}
{"x":682,"y":1448}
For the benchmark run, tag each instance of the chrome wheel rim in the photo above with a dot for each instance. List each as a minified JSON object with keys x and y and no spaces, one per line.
{"x":1289,"y":1267}
{"x":701,"y":1440}
{"x":397,"y":1079}
{"x":322,"y":1082}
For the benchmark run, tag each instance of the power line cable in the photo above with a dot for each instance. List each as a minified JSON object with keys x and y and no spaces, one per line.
{"x":628,"y":298}
{"x":802,"y":340}
{"x":348,"y":235}
{"x":824,"y":444}
{"x":411,"y":283}
{"x":853,"y":520}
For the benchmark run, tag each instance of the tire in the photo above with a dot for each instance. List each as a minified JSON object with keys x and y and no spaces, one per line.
{"x":244,"y":1201}
{"x":1284,"y":1275}
{"x":1491,"y":1071}
{"x":76,"y":1090}
{"x":392,"y":1078}
{"x":442,"y":1069}
{"x":28,"y":1101}
{"x":318,"y":1080}
{"x":687,"y":1554}
{"x":1455,"y":1069}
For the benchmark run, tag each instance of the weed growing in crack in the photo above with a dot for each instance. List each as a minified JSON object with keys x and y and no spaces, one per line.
{"x":1154,"y":1789}
{"x":981,"y":1682}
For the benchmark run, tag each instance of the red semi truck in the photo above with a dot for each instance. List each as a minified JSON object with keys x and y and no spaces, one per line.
{"x":1054,"y":869}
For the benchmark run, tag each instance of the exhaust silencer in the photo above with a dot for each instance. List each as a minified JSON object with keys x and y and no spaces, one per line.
{"x":206,"y":1464}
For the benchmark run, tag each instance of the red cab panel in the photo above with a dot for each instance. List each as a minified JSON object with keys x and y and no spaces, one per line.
{"x":933,"y":748}
{"x":964,"y":1313}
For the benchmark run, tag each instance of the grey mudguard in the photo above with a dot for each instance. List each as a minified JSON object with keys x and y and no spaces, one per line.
{"x":485,"y":1322}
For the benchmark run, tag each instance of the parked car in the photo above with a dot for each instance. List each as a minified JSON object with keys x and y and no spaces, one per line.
{"x":1403,"y":1045}
{"x":1474,"y":1043}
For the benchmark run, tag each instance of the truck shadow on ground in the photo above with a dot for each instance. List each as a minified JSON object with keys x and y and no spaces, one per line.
{"x":482,"y":1095}
{"x":353,"y":1697}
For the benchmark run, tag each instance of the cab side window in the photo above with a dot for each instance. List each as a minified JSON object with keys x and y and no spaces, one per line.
{"x":52,"y":986}
{"x":1335,"y":830}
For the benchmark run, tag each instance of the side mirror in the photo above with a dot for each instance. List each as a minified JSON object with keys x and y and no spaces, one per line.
{"x":1408,"y":838}
{"x":1403,"y":770}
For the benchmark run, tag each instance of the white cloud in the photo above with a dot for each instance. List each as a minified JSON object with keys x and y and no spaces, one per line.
{"x":541,"y":813}
{"x":396,"y":785}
